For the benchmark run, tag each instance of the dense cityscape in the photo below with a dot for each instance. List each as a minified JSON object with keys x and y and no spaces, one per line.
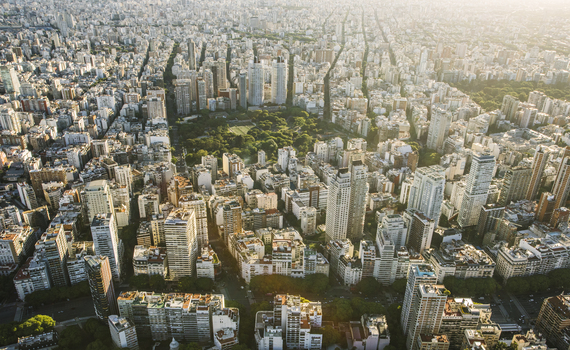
{"x":284,"y":174}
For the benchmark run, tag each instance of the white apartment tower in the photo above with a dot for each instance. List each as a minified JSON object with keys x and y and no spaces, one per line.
{"x":427,"y":313}
{"x":124,"y":176}
{"x":181,"y":244}
{"x":106,"y":241}
{"x":417,"y":275}
{"x":438,"y":128}
{"x":426,"y":193}
{"x":255,"y":73}
{"x":10,"y":79}
{"x":191,"y":54}
{"x":338,"y":202}
{"x":476,"y":190}
{"x":98,"y":197}
{"x":279,"y":81}
{"x":123,"y":333}
{"x":358,"y":193}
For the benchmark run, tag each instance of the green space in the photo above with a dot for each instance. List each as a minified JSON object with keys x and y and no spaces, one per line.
{"x":241,"y":129}
{"x":56,"y":294}
{"x":489,"y":94}
{"x":558,"y":279}
{"x":10,"y":332}
{"x":94,"y":335}
{"x":272,"y":130}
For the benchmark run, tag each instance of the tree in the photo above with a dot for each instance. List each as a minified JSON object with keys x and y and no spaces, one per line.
{"x":369,"y":286}
{"x":399,"y":286}
{"x":97,"y":345}
{"x":204,"y":284}
{"x":72,"y":338}
{"x":330,"y":336}
{"x":140,"y":282}
{"x":157,"y":282}
{"x":186,"y":284}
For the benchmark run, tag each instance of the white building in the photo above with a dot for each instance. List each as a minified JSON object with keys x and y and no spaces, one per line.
{"x":207,"y":264}
{"x":98,"y":199}
{"x":181,"y":243}
{"x":123,"y":333}
{"x":476,"y":190}
{"x":438,"y":128}
{"x":279,"y":81}
{"x":150,"y":261}
{"x":426,"y":193}
{"x":255,"y":74}
{"x":106,"y":241}
{"x":337,"y":204}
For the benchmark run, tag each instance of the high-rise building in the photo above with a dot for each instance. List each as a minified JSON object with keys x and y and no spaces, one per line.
{"x":10,"y":79}
{"x":553,"y":320}
{"x":183,"y":92}
{"x":211,"y":162}
{"x":52,"y":246}
{"x":394,"y":227}
{"x":489,"y":218}
{"x":561,"y":187}
{"x":438,"y":128}
{"x":417,"y":275}
{"x":123,"y":333}
{"x":124,"y":176}
{"x":476,"y":189}
{"x":420,"y":230}
{"x":27,"y":195}
{"x":181,"y":243}
{"x":106,"y":241}
{"x":510,"y":106}
{"x":98,"y":198}
{"x":515,"y":184}
{"x":191,"y":54}
{"x":426,"y":193}
{"x":427,"y":313}
{"x":101,"y":285}
{"x":279,"y":81}
{"x":201,"y":96}
{"x":187,"y":317}
{"x":338,"y":203}
{"x":357,"y":206}
{"x":156,"y":108}
{"x":255,"y":74}
{"x":261,"y":157}
{"x":242,"y":86}
{"x":539,"y":162}
{"x":296,"y":317}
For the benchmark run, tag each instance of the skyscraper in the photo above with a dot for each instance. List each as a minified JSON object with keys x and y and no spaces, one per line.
{"x":242,"y":81}
{"x":181,"y":244}
{"x":98,"y":198}
{"x":338,"y":203}
{"x":438,"y":128}
{"x":10,"y":79}
{"x":476,"y":189}
{"x":279,"y":81}
{"x":201,"y":97}
{"x":562,"y":183}
{"x":358,"y":192}
{"x":124,"y":176}
{"x":427,"y":313}
{"x":53,"y":247}
{"x":538,"y":164}
{"x":417,"y":275}
{"x":420,"y":230}
{"x":106,"y":242}
{"x":255,"y":73}
{"x":101,"y":285}
{"x":426,"y":193}
{"x":191,"y":54}
{"x":515,"y":184}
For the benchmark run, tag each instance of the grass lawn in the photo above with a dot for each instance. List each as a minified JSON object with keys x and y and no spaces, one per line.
{"x":241,"y":130}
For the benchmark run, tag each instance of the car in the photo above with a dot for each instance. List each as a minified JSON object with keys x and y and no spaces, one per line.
{"x":531,"y":300}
